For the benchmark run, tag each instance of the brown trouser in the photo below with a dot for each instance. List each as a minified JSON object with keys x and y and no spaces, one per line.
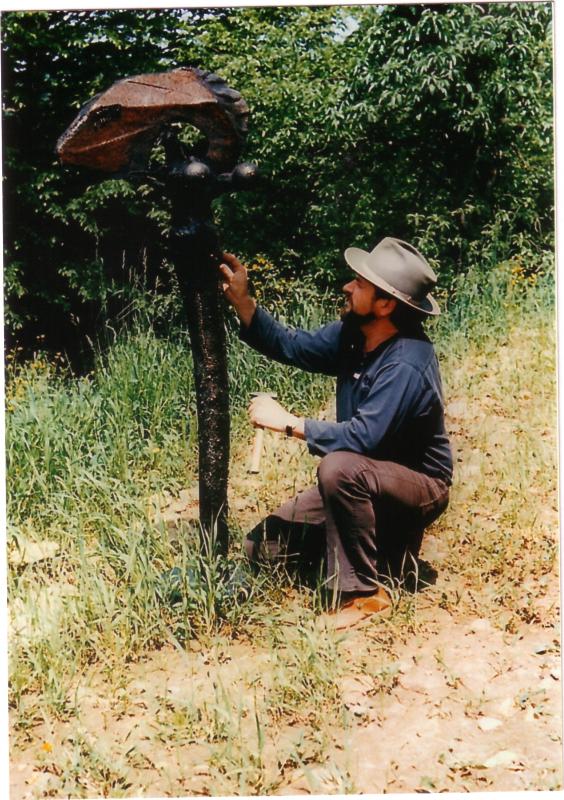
{"x":365,"y":518}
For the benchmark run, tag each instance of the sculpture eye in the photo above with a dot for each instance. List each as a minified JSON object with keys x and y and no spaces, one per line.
{"x":244,"y":174}
{"x":103,"y":116}
{"x":194,"y":171}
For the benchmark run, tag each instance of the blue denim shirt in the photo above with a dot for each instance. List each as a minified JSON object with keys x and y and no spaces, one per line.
{"x":389,"y":407}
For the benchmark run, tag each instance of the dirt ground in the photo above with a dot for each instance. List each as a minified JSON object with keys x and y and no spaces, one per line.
{"x":464,"y":707}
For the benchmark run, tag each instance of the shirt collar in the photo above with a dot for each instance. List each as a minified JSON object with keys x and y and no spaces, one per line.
{"x":372,"y":354}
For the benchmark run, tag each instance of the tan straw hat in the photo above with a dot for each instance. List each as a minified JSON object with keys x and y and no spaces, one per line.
{"x":400,"y":270}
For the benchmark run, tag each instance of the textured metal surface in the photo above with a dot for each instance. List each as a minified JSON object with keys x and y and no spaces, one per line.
{"x":204,"y":310}
{"x":116,"y":129}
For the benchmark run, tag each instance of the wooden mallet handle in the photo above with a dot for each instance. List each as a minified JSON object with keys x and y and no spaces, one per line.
{"x":259,"y":438}
{"x":257,"y":451}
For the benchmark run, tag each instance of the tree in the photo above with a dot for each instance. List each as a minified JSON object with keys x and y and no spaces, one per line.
{"x":451,"y":112}
{"x":431,"y":123}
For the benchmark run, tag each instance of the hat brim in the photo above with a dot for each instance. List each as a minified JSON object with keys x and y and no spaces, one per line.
{"x":356,"y":259}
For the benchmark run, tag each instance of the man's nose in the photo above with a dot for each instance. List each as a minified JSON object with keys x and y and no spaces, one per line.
{"x":347,"y":288}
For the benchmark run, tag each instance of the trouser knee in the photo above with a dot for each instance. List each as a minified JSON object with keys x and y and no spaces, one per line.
{"x":337,"y":471}
{"x":332,"y":474}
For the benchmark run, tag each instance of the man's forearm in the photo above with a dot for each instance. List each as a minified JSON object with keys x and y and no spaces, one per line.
{"x":245,"y":309}
{"x":290,"y":421}
{"x":282,"y":424}
{"x":298,"y":429}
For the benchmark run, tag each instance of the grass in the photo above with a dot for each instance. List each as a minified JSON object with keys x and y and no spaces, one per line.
{"x":84,"y":455}
{"x":88,"y":459}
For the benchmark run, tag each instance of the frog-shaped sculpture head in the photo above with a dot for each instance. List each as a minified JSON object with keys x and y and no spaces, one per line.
{"x":116,"y":130}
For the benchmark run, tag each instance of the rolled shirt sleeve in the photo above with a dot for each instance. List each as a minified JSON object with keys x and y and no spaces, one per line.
{"x":391,"y":399}
{"x":314,"y":351}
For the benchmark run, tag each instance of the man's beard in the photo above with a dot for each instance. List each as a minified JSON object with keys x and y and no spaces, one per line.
{"x":351,"y":342}
{"x":351,"y":319}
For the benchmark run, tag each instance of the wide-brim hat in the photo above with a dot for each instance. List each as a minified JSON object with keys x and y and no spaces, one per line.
{"x":400,"y":270}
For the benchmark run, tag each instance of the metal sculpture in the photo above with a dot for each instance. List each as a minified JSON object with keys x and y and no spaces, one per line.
{"x":115,"y":133}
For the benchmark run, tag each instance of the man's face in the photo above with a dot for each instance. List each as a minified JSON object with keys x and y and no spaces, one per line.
{"x":360,"y":298}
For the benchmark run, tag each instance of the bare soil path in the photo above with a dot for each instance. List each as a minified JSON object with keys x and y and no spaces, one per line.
{"x":466,"y":707}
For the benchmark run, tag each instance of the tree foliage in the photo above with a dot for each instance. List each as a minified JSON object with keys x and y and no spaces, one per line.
{"x":455,"y":102}
{"x":431,"y":123}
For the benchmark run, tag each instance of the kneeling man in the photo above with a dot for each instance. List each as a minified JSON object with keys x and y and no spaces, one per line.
{"x":386,"y":463}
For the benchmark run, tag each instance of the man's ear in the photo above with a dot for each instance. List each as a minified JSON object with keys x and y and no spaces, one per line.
{"x":385,"y":306}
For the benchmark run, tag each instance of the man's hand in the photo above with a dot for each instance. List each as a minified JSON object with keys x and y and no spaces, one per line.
{"x":236,"y":287}
{"x":265,"y":412}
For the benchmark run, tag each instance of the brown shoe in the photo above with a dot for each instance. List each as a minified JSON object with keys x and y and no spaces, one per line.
{"x":358,"y":610}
